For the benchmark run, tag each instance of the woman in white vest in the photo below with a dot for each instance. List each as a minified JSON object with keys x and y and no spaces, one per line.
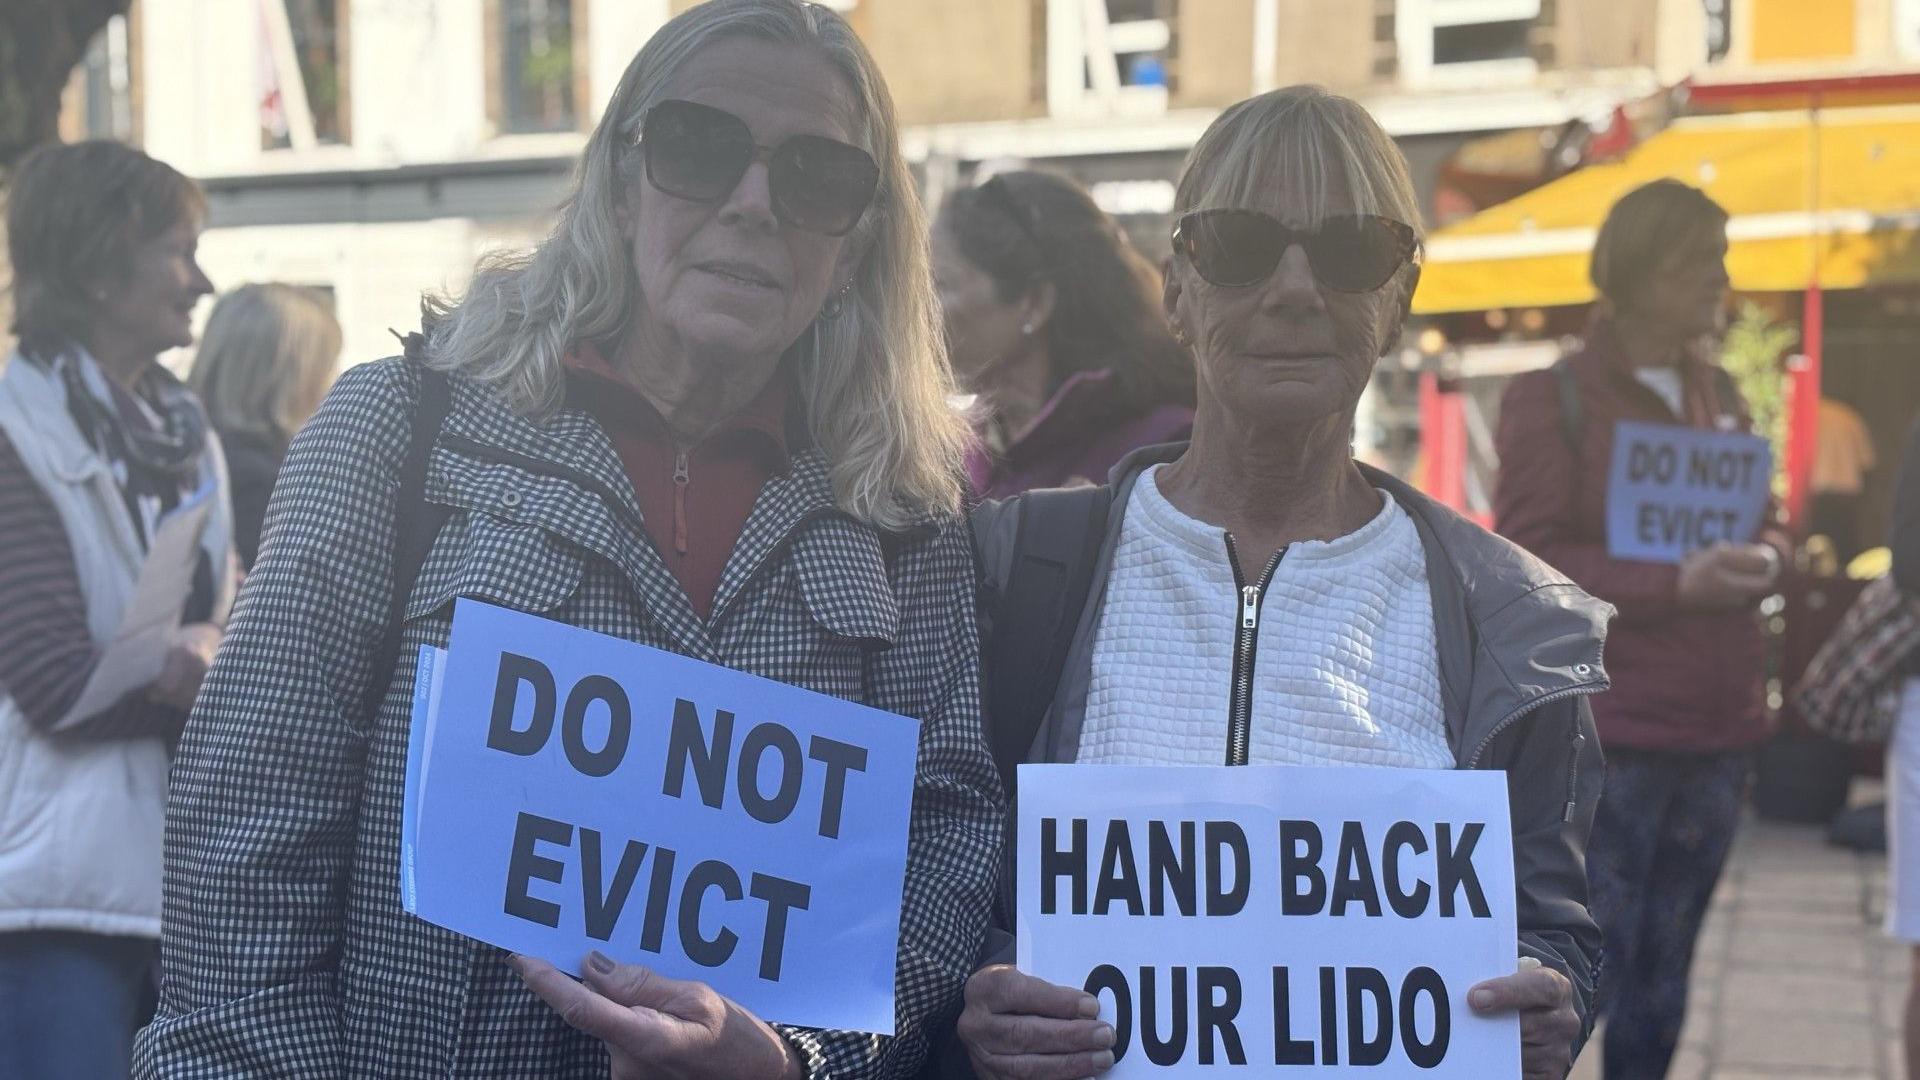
{"x":100,"y":449}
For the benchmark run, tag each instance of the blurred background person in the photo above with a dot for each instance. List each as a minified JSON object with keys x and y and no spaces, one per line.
{"x":268,"y":355}
{"x":1053,"y":320}
{"x":97,"y":443}
{"x":1686,"y":653}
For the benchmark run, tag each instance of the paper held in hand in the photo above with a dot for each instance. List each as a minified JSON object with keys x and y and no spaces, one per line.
{"x":569,"y":791}
{"x":1672,"y":490}
{"x":133,"y":658}
{"x":1269,"y":920}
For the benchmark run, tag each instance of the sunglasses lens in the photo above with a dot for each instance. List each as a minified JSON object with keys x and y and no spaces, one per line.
{"x":1232,"y":247}
{"x":1357,"y":253}
{"x":695,"y":152}
{"x":822,"y":185}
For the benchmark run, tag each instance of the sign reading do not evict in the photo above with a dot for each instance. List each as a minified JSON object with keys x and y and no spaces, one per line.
{"x":569,"y":791}
{"x":1673,"y":490}
{"x":1264,"y":920}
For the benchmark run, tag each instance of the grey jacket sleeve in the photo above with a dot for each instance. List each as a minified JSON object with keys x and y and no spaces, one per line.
{"x":1554,"y":773}
{"x":954,"y":834}
{"x":264,"y":805}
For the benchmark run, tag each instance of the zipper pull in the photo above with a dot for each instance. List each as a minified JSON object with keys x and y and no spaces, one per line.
{"x":680,"y":480}
{"x":1249,"y":607}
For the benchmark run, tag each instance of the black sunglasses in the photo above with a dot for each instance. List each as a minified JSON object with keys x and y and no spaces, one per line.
{"x":698,"y":152}
{"x":1352,"y":253}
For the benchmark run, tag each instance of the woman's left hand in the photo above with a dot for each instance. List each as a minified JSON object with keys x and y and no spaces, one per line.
{"x":659,"y":1027}
{"x":1548,"y":1024}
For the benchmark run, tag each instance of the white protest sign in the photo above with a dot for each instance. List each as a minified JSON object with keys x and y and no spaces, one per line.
{"x":1264,"y":920}
{"x":569,"y":791}
{"x":1672,"y":490}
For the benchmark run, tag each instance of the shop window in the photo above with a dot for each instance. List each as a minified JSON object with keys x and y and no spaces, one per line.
{"x":1109,"y":56}
{"x":538,"y":72}
{"x":102,"y":88}
{"x":1466,"y":41}
{"x":304,"y":73}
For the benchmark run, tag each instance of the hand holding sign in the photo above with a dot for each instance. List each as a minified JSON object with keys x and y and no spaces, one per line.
{"x":1727,"y":575}
{"x":1544,"y":999}
{"x":655,"y":1027}
{"x":1019,"y":1027}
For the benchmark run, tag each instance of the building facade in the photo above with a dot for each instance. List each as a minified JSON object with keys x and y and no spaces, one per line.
{"x":376,"y":148}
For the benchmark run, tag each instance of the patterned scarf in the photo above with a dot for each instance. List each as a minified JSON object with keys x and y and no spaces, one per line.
{"x":155,"y":440}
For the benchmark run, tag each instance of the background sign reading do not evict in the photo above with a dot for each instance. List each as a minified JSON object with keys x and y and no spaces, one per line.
{"x":1273,"y":920}
{"x":1673,"y":489}
{"x":570,"y":791}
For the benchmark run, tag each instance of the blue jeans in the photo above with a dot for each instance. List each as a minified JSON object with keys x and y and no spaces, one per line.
{"x":1660,"y":840}
{"x":70,"y":1003}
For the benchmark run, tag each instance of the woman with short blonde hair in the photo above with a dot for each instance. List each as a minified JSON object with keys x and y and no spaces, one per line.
{"x":708,"y":414}
{"x":268,"y":355}
{"x":1332,"y":615}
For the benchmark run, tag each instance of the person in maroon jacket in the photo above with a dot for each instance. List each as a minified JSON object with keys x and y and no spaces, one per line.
{"x":1053,"y":320}
{"x":1686,"y":652}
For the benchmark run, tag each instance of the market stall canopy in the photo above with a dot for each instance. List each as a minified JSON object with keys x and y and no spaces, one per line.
{"x":1863,"y":203}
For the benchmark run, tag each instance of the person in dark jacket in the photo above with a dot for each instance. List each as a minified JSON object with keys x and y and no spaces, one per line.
{"x":1687,"y":654}
{"x":1054,"y":324}
{"x":264,"y":364}
{"x":1393,"y":632}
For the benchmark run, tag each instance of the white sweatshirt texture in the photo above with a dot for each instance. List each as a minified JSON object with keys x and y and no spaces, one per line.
{"x":1345,"y":670}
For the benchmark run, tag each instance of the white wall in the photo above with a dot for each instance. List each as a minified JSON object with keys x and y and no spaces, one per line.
{"x":377,"y":272}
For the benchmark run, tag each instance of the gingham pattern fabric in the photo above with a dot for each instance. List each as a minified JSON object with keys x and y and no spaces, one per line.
{"x":286,"y":952}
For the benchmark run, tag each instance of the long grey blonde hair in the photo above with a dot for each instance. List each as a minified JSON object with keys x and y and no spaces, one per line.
{"x":874,"y":378}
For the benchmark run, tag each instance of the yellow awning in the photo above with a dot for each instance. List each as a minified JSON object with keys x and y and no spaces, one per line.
{"x":1533,"y":250}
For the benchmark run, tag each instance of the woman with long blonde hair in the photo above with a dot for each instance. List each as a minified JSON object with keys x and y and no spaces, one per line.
{"x":268,"y":355}
{"x":708,"y":414}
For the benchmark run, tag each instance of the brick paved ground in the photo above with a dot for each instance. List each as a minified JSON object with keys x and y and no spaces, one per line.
{"x":1793,"y":977}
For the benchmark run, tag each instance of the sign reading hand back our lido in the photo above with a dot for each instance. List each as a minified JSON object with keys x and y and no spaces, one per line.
{"x":1274,"y":920}
{"x":1672,"y":490}
{"x":569,"y":791}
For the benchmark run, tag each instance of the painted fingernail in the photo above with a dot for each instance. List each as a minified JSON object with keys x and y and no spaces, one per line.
{"x":599,"y":961}
{"x":1105,"y":1035}
{"x":1480,"y":999}
{"x":1089,"y":1006}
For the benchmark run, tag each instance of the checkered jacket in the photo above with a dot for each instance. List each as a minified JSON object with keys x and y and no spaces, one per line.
{"x":286,"y":951}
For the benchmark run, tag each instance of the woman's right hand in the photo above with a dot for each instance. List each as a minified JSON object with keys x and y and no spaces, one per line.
{"x":189,"y":655}
{"x":1017,"y":1027}
{"x":1727,"y":575}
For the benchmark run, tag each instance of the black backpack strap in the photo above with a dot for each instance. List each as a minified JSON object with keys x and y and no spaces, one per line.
{"x":1036,"y":610}
{"x":1573,"y":411}
{"x":415,"y":524}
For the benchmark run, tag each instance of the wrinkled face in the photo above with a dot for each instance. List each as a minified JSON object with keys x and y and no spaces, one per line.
{"x":725,"y":280}
{"x":151,"y":305}
{"x":1687,"y":293}
{"x":1286,"y":350}
{"x":982,"y":327}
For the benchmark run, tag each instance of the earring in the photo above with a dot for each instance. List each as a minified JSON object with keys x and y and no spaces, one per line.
{"x":1179,"y":333}
{"x":1027,"y":329}
{"x":838,"y":303}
